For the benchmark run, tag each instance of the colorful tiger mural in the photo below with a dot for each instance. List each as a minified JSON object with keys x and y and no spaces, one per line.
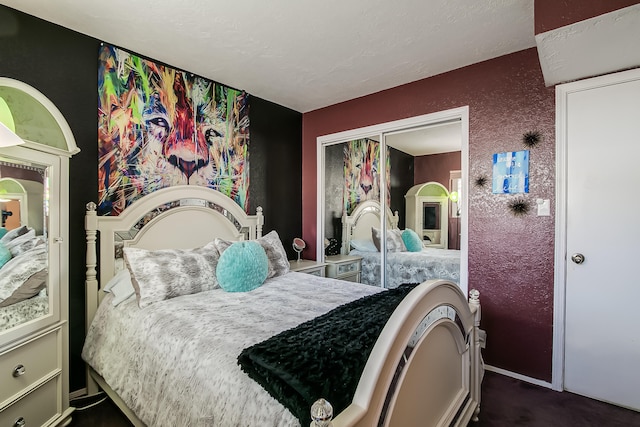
{"x":361,"y":172}
{"x":159,"y":127}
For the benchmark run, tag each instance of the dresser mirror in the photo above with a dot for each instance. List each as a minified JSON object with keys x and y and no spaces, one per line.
{"x":24,"y":255}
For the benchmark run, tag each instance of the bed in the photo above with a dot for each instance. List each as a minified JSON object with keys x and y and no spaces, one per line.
{"x":402,"y":266}
{"x":179,"y":360}
{"x":23,"y":277}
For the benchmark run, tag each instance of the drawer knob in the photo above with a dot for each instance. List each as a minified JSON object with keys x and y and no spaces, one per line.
{"x":20,"y":422}
{"x":19,"y":371}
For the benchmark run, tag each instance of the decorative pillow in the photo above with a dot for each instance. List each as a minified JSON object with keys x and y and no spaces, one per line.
{"x":168,"y":273}
{"x":18,"y":270}
{"x":394,"y":239}
{"x":243,"y":266}
{"x":270,"y":242}
{"x":120,"y":286}
{"x":24,"y":242}
{"x":30,"y":288}
{"x":364,"y":245}
{"x":3,"y":231}
{"x":12,"y":234}
{"x":411,"y":240}
{"x":5,"y":254}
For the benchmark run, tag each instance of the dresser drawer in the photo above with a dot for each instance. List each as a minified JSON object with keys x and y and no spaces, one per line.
{"x":26,"y":364}
{"x":35,"y":409}
{"x":344,"y":267}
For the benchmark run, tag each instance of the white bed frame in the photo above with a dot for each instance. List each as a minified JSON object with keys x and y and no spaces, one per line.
{"x":425,"y":368}
{"x":357,"y":226}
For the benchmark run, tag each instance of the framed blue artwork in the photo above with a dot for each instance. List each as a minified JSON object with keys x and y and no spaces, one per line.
{"x":511,"y":172}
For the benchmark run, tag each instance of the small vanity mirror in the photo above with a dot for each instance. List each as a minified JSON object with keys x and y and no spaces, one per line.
{"x":298,"y":246}
{"x":24,"y":292}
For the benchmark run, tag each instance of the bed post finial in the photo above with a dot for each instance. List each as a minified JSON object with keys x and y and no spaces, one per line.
{"x":260,"y":222}
{"x":90,"y":228}
{"x":321,"y":413}
{"x":474,"y":297}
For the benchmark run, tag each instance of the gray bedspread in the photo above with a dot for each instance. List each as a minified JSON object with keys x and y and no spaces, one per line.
{"x":174,"y":363}
{"x":410,"y":267}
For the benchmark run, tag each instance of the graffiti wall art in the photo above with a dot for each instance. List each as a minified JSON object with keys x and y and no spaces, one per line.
{"x":160,"y":127}
{"x":362,"y":173}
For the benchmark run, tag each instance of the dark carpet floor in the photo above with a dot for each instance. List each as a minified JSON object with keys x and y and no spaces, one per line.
{"x":506,"y":402}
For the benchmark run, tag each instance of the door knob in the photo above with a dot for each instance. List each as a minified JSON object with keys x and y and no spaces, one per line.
{"x":577,"y":258}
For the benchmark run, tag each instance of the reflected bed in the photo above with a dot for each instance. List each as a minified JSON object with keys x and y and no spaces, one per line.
{"x":402,"y":266}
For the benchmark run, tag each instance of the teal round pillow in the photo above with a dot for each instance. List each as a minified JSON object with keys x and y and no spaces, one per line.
{"x":242,"y":267}
{"x":5,"y":254}
{"x":411,"y":240}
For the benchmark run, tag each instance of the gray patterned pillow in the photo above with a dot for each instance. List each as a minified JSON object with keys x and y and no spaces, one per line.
{"x":19,"y":269}
{"x":270,"y":242}
{"x":168,"y":273}
{"x":394,"y":239}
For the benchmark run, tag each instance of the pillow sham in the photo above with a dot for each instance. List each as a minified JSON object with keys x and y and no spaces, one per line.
{"x":24,"y":242}
{"x":5,"y":255}
{"x":270,"y":242}
{"x":243,"y":267}
{"x":29,"y":288}
{"x":18,"y":270}
{"x":120,"y":286}
{"x":12,"y":234}
{"x":363,"y":245}
{"x":411,"y":240}
{"x":394,"y":239}
{"x":168,"y":273}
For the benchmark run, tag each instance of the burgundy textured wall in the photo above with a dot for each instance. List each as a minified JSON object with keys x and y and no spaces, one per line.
{"x":436,"y":167}
{"x":510,"y":258}
{"x":552,"y":14}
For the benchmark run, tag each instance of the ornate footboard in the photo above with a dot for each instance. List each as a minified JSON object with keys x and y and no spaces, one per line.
{"x":425,"y":368}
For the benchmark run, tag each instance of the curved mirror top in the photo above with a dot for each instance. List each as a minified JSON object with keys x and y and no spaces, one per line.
{"x":24,"y":293}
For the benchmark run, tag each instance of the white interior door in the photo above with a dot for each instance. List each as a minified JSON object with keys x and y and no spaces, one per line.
{"x":602,"y":339}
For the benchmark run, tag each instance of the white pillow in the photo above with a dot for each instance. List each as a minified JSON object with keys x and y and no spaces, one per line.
{"x":363,"y":245}
{"x":120,"y":286}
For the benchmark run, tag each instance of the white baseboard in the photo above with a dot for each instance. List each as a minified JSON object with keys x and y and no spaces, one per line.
{"x":77,"y":393}
{"x":518,"y":376}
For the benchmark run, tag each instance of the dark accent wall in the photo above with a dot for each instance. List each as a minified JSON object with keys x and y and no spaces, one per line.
{"x":63,"y":65}
{"x":510,"y":258}
{"x":402,"y":177}
{"x":275,"y":168}
{"x":552,"y":14}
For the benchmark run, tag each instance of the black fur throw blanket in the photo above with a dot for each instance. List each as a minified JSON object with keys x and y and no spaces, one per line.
{"x":323,"y":357}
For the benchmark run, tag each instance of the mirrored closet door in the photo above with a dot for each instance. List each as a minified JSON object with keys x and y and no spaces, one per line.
{"x":403,"y":156}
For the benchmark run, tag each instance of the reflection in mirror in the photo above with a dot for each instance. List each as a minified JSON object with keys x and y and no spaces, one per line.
{"x":351,"y":203}
{"x":431,"y":147}
{"x":23,"y":242}
{"x":422,"y":161}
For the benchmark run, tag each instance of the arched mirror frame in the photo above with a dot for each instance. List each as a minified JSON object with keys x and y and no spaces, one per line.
{"x":461,"y":114}
{"x":48,"y":144}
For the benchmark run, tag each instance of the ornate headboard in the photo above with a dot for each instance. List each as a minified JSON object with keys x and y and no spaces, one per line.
{"x":179,"y":217}
{"x":364,"y":216}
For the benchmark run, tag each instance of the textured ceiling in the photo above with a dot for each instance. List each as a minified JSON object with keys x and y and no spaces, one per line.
{"x":299,"y":53}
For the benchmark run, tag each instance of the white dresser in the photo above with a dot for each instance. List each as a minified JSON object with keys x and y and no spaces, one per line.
{"x":344,"y":267}
{"x":308,"y":266}
{"x":34,"y":344}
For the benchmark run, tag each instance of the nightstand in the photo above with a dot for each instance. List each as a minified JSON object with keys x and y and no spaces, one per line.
{"x":344,"y":267}
{"x":308,"y":266}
